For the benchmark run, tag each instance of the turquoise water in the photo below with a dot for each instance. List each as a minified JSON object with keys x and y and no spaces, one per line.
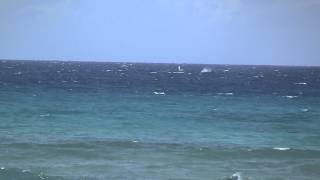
{"x":87,"y":125}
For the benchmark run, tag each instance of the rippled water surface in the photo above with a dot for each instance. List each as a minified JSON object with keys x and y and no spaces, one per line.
{"x":72,"y":120}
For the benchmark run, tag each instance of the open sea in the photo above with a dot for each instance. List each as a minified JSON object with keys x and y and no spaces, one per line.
{"x":92,"y":121}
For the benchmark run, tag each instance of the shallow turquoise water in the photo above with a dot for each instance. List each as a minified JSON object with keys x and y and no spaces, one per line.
{"x":63,"y":132}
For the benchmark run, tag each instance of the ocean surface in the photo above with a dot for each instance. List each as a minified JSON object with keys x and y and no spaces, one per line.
{"x":86,"y":120}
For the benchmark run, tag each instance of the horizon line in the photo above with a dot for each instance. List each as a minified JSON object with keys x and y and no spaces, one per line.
{"x":145,"y":62}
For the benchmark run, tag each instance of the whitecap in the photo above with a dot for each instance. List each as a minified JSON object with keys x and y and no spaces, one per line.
{"x":42,"y":176}
{"x":290,"y":97}
{"x":301,"y":83}
{"x":159,"y":93}
{"x":153,"y":72}
{"x":304,"y":110}
{"x":18,"y":73}
{"x":226,"y":94}
{"x":26,"y":170}
{"x":226,"y":70}
{"x":206,"y":70}
{"x":44,"y":115}
{"x":281,"y":148}
{"x":2,"y":168}
{"x":236,"y":176}
{"x":135,"y":141}
{"x":178,"y":72}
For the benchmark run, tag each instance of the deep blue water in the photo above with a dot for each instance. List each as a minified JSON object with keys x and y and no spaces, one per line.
{"x":81,"y":120}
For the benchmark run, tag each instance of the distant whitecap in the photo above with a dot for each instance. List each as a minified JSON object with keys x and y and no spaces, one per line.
{"x":226,"y":94}
{"x":304,"y":110}
{"x":206,"y":70}
{"x":281,"y":148}
{"x":301,"y":83}
{"x":26,"y":171}
{"x":2,"y":168}
{"x":159,"y":93}
{"x":153,"y":72}
{"x":290,"y":97}
{"x":18,"y":73}
{"x":236,"y":176}
{"x":44,"y":115}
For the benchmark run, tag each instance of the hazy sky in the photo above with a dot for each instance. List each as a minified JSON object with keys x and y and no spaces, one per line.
{"x":190,"y":31}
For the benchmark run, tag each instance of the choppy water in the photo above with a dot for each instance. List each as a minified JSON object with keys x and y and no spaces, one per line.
{"x":71,"y":120}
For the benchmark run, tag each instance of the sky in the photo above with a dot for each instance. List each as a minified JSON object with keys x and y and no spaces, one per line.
{"x":268,"y":32}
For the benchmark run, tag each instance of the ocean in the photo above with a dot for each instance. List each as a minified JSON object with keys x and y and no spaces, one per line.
{"x":95,"y":120}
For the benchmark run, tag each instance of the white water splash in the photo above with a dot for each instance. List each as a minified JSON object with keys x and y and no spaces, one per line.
{"x":159,"y":93}
{"x":281,"y":148}
{"x":236,"y":176}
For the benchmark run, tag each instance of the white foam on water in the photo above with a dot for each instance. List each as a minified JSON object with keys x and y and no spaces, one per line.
{"x":42,"y":176}
{"x":259,"y":76}
{"x":281,"y":148}
{"x":153,"y":72}
{"x":26,"y":170}
{"x":18,"y":73}
{"x":178,"y":72}
{"x":159,"y":93}
{"x":301,"y":83}
{"x":226,"y":94}
{"x":304,"y":110}
{"x":2,"y":168}
{"x":290,"y":97}
{"x":44,"y":115}
{"x":135,"y":141}
{"x":236,"y":176}
{"x":206,"y":70}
